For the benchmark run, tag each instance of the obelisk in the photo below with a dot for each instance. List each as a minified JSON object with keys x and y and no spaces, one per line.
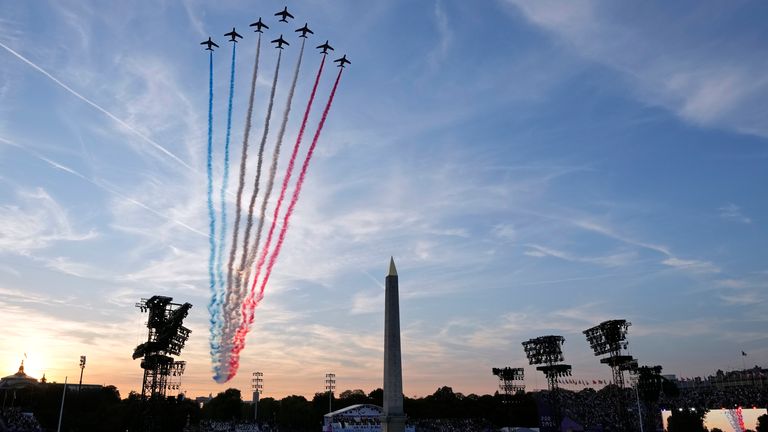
{"x":393,"y":418}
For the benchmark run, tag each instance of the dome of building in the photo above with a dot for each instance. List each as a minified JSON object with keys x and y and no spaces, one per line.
{"x":18,"y":380}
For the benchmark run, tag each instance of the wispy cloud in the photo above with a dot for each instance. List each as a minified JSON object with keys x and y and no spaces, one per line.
{"x":121,"y":122}
{"x":733,"y":213}
{"x":707,"y":82}
{"x":36,"y":223}
{"x":613,"y":260}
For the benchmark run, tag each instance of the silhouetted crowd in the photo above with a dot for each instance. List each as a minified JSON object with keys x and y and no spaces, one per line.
{"x":712,"y":397}
{"x":17,"y":421}
{"x":451,"y":425}
{"x":229,"y":426}
{"x":360,"y":423}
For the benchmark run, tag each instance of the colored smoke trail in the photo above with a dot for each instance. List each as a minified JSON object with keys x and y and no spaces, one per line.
{"x":242,"y":331}
{"x":273,"y":172}
{"x":211,"y":211}
{"x":245,"y":263}
{"x":296,"y":194}
{"x":219,"y":320}
{"x":233,"y":300}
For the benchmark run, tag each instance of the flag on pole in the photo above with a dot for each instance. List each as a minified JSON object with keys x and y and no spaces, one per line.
{"x":743,"y":354}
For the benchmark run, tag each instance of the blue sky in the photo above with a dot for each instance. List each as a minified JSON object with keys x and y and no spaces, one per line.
{"x":535,"y":167}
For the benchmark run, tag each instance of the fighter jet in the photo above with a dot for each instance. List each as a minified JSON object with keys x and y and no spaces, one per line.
{"x":233,"y":34}
{"x":342,"y":60}
{"x":284,"y":14}
{"x":259,"y":25}
{"x":280,"y":41}
{"x":325,"y":47}
{"x":210,"y":44}
{"x":304,"y":30}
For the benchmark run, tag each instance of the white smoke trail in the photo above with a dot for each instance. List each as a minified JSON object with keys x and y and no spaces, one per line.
{"x":122,"y":123}
{"x":273,"y":167}
{"x":101,"y":186}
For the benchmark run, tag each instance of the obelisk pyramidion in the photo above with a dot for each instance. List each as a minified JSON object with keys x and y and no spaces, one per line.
{"x":393,"y":418}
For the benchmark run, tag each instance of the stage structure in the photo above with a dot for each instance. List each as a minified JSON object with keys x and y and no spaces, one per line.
{"x":165,"y":338}
{"x":547,"y":351}
{"x":510,"y":380}
{"x":610,"y":338}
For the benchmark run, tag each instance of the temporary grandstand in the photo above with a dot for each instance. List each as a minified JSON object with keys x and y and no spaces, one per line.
{"x":356,"y":418}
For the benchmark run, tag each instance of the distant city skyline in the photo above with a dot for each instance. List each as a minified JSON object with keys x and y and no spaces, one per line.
{"x":534,"y":167}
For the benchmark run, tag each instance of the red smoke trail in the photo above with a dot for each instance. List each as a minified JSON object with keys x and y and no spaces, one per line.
{"x":251,"y":303}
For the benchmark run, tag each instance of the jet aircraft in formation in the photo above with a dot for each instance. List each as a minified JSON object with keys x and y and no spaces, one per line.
{"x":280,"y":41}
{"x":210,"y":44}
{"x":342,"y":61}
{"x":304,"y":30}
{"x":233,"y":35}
{"x":284,"y":14}
{"x":259,"y":25}
{"x":325,"y":47}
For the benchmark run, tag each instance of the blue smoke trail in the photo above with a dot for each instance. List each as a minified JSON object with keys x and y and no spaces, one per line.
{"x":222,"y":197}
{"x":211,"y":212}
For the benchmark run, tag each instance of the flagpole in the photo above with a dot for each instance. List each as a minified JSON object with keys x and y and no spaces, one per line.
{"x":61,"y":411}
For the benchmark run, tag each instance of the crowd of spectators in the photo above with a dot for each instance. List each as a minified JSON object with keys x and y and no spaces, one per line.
{"x":17,"y":421}
{"x":715,"y":397}
{"x":231,"y":426}
{"x":451,"y":425}
{"x":602,"y":409}
{"x":358,"y":423}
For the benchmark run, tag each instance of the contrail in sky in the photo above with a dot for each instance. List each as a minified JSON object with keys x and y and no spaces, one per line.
{"x":98,"y":107}
{"x":245,"y":260}
{"x":101,"y":186}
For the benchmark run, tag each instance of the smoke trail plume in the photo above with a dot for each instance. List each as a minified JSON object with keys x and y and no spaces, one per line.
{"x":242,"y":331}
{"x":273,"y":171}
{"x":219,"y":322}
{"x":251,"y":206}
{"x":211,"y":212}
{"x":233,"y":300}
{"x":296,"y":194}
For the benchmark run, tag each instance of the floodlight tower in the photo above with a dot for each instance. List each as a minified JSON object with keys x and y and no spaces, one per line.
{"x":257,"y":385}
{"x":610,"y":338}
{"x":165,"y":338}
{"x":330,"y":386}
{"x":509,"y":380}
{"x":547,"y":351}
{"x":82,"y":368}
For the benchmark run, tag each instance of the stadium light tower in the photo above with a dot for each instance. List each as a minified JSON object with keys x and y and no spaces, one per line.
{"x":610,"y":338}
{"x":547,"y":351}
{"x":509,"y":379}
{"x":257,"y":385}
{"x":166,"y":337}
{"x":82,"y":368}
{"x":330,"y":386}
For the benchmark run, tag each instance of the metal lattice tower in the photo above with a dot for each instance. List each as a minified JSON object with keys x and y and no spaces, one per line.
{"x":610,"y":338}
{"x":510,"y":380}
{"x":166,"y":337}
